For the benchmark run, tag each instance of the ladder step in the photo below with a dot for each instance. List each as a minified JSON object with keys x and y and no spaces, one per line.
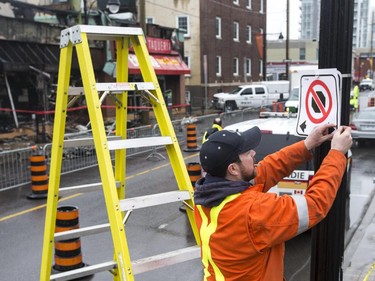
{"x":79,"y":142}
{"x":85,"y":187}
{"x":139,"y":142}
{"x":166,"y":259}
{"x":104,"y":32}
{"x":139,"y":266}
{"x":84,"y":271}
{"x":153,"y":200}
{"x":114,"y":87}
{"x":80,"y":232}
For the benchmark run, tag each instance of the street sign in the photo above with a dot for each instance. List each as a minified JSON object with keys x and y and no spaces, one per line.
{"x":320,"y":99}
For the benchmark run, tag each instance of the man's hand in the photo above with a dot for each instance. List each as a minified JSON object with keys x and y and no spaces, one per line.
{"x":319,"y":135}
{"x":342,"y":139}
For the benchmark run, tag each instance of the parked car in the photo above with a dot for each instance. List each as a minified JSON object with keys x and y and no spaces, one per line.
{"x":363,"y":125}
{"x":292,"y":103}
{"x":366,"y":84}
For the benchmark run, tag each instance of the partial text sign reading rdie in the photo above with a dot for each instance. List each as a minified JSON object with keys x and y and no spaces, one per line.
{"x":320,"y":99}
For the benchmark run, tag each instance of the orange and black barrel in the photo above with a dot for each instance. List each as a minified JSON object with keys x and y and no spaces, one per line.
{"x":191,"y":138}
{"x":39,"y":177}
{"x":68,"y":255}
{"x":195,"y":172}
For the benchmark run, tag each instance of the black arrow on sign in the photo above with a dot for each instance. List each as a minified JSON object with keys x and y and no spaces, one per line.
{"x":303,"y":126}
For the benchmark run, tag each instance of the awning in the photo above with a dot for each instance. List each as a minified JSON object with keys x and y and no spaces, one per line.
{"x":163,"y":65}
{"x":16,"y":56}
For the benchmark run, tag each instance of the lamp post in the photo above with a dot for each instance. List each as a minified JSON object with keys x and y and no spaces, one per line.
{"x":113,"y":7}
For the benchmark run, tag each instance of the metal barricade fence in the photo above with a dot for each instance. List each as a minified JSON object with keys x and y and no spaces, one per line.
{"x":15,"y":167}
{"x":14,"y":164}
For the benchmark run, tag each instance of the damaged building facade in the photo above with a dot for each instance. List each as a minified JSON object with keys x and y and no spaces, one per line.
{"x":29,"y":58}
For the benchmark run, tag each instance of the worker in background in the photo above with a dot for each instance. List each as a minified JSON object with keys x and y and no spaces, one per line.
{"x":216,"y":126}
{"x":354,"y":98}
{"x":356,"y":91}
{"x":243,"y":227}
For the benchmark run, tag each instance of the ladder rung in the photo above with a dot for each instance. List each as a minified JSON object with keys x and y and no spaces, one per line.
{"x":139,"y":142}
{"x":114,"y":87}
{"x":139,"y":266}
{"x":84,"y":271}
{"x":125,"y":86}
{"x":80,"y":232}
{"x":166,"y":259}
{"x":153,"y":200}
{"x":79,"y":142}
{"x":86,"y":187}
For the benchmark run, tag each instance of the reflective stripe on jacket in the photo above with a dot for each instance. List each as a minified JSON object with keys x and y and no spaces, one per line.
{"x":243,"y":237}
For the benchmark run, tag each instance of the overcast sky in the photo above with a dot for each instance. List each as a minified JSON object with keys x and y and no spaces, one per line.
{"x":276,"y":18}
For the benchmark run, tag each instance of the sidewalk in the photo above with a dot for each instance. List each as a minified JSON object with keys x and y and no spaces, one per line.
{"x":359,"y":255}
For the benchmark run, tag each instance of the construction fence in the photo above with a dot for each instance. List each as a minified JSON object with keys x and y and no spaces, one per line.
{"x":15,"y":164}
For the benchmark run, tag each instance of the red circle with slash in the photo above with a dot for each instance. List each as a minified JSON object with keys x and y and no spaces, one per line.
{"x":315,"y":97}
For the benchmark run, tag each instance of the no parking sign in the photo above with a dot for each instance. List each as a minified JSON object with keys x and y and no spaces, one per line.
{"x":320,"y":99}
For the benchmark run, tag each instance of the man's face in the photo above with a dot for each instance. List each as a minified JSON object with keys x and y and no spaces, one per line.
{"x":247,"y":168}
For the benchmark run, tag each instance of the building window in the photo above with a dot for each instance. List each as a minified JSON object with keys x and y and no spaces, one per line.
{"x":236,"y":28}
{"x":183,"y":23}
{"x":218,"y":27}
{"x":261,"y":67}
{"x":236,"y":2}
{"x":302,"y":53}
{"x":150,"y":20}
{"x":187,"y":61}
{"x":248,"y":67}
{"x":218,"y":66}
{"x":260,"y":6}
{"x":248,"y":4}
{"x":248,"y":34}
{"x":235,"y":66}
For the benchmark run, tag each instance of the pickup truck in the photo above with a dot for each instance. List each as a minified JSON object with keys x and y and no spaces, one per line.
{"x":245,"y":96}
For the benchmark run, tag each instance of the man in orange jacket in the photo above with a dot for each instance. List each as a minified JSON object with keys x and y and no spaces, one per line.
{"x":242,"y":227}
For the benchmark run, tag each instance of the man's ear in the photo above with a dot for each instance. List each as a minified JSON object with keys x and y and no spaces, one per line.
{"x":233,"y":169}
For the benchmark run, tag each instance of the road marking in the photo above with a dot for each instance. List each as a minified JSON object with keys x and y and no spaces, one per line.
{"x":79,"y":194}
{"x":37,"y":208}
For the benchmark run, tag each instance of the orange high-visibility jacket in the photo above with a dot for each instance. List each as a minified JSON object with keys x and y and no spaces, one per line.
{"x":243,"y":237}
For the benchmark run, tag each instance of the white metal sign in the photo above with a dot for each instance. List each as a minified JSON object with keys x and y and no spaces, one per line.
{"x":320,"y":99}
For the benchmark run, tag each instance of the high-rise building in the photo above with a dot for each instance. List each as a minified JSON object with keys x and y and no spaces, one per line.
{"x":310,"y":21}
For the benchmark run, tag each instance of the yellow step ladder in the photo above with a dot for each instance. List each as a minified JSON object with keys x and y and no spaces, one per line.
{"x":112,"y":178}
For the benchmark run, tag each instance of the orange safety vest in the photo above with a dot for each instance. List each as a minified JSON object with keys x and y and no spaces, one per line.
{"x":242,"y":239}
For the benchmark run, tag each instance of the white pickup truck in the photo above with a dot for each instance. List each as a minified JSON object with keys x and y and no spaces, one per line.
{"x":246,"y":96}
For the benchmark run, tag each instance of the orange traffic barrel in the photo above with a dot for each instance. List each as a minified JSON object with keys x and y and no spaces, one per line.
{"x":39,"y":177}
{"x":68,"y":255}
{"x":191,"y":138}
{"x":194,"y":171}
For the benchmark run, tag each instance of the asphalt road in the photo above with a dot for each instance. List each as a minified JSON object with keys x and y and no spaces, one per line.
{"x":150,"y":231}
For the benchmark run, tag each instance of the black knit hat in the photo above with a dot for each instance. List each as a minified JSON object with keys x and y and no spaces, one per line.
{"x":223,"y":147}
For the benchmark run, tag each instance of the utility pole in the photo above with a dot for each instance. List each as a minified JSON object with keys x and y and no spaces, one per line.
{"x":335,"y":51}
{"x":142,"y":15}
{"x":264,"y":70}
{"x":287,"y":43}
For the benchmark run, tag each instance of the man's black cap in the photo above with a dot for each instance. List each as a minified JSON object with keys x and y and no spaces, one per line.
{"x":223,"y":147}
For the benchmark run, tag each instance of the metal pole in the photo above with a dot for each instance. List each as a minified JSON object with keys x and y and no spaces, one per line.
{"x":205,"y":82}
{"x":335,"y":51}
{"x":287,"y":42}
{"x":264,"y":57}
{"x":142,"y":15}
